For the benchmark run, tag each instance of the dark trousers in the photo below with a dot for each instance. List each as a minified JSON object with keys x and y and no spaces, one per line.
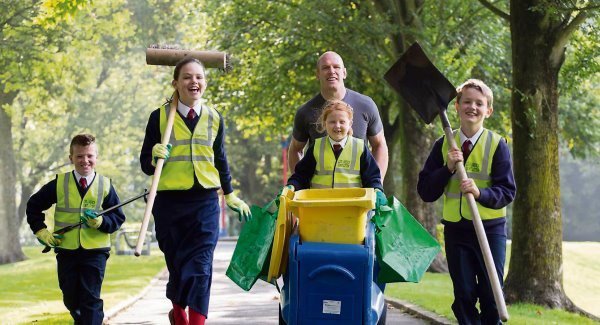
{"x":187,"y":231}
{"x":469,"y":276}
{"x":80,"y":276}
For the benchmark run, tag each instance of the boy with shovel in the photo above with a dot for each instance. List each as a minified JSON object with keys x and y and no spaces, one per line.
{"x":81,"y":253}
{"x":490,"y":179}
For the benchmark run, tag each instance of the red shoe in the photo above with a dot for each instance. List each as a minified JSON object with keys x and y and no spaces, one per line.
{"x":173,"y":318}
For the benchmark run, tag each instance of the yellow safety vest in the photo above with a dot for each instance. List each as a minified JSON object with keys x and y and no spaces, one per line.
{"x":70,"y":206}
{"x":192,"y":153}
{"x":478,"y":167}
{"x":343,"y":172}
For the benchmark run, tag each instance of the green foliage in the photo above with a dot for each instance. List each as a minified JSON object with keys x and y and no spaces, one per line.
{"x":81,"y":74}
{"x":472,"y":44}
{"x":580,"y":92}
{"x":78,"y":66}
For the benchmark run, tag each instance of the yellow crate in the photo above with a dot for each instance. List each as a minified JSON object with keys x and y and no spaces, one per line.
{"x":337,"y":215}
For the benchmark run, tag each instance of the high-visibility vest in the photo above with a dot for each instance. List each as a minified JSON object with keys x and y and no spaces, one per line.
{"x":343,"y":172}
{"x":70,"y":206}
{"x":478,"y":167}
{"x":192,"y":153}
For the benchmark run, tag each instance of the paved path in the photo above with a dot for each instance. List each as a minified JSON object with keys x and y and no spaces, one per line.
{"x":228,"y":304}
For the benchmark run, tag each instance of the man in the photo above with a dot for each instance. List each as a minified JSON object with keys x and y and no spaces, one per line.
{"x":366,"y":122}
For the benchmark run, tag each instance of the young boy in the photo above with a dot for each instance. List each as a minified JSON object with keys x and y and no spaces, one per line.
{"x":339,"y":159}
{"x":488,"y":164}
{"x":82,"y":252}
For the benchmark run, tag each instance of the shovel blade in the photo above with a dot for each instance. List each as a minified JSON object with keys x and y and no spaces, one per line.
{"x":420,"y":83}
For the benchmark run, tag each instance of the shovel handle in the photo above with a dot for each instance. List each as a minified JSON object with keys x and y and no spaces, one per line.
{"x":479,"y":230}
{"x":157,"y":171}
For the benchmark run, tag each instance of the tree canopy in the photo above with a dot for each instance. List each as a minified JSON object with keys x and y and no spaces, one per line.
{"x":72,"y":66}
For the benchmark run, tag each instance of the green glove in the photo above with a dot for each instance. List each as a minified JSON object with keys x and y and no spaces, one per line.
{"x":239,"y":206}
{"x":380,"y":200}
{"x":45,"y":237}
{"x":91,"y":218}
{"x":160,"y":151}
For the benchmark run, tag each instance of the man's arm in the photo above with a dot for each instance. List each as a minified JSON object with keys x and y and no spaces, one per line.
{"x":380,"y":152}
{"x":295,"y":153}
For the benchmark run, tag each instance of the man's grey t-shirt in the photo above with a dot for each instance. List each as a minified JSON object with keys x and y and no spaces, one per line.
{"x":366,"y":121}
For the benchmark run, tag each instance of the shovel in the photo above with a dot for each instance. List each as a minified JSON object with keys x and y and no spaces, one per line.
{"x":61,"y":231}
{"x":428,"y":92}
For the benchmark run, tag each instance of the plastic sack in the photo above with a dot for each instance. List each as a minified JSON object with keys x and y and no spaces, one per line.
{"x":403,"y":247}
{"x":250,"y":258}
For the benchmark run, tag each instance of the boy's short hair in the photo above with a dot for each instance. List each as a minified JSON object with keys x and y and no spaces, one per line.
{"x":479,"y":85}
{"x":330,"y":106}
{"x":81,"y":140}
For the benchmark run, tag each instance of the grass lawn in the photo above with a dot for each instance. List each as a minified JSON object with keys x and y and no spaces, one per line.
{"x":581,"y":274}
{"x":30,"y":291}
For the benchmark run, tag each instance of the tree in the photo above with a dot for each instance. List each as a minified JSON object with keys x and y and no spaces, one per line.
{"x":75,"y":73}
{"x":545,"y":26}
{"x":277,"y":44}
{"x":31,"y":28}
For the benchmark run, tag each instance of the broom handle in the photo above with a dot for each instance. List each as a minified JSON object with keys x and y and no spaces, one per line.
{"x":157,"y":171}
{"x":479,"y":230}
{"x":170,"y":57}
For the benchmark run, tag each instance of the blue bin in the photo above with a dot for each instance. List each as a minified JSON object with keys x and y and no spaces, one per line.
{"x":330,"y":283}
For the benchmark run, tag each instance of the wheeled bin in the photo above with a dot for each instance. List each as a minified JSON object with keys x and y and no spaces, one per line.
{"x":331,"y":260}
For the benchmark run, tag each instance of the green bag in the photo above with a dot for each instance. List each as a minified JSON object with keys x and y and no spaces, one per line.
{"x":252,"y":252}
{"x":403,"y":247}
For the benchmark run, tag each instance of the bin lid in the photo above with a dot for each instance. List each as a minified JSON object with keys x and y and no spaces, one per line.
{"x":281,"y":238}
{"x":314,"y":198}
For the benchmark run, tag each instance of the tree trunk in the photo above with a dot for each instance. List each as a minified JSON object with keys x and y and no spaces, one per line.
{"x":391,"y":138}
{"x":537,"y":224}
{"x":414,"y":137}
{"x":416,"y":141}
{"x":10,"y":250}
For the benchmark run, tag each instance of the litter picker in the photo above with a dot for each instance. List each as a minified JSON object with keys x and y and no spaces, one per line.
{"x":428,"y":92}
{"x":169,"y":56}
{"x":99,"y":213}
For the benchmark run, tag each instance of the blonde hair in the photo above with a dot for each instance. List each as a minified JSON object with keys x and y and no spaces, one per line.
{"x":476,"y":84}
{"x":331,"y":106}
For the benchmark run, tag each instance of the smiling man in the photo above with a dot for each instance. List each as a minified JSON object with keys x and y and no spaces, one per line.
{"x":367,"y":125}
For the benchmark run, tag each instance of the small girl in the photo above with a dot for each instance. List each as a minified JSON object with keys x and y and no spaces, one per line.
{"x":337,"y":160}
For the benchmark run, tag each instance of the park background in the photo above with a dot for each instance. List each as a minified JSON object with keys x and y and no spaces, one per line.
{"x":72,"y":66}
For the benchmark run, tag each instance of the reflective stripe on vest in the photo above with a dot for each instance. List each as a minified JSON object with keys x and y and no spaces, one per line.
{"x":343,"y":172}
{"x":192,"y":153}
{"x":479,"y":168}
{"x":70,"y":206}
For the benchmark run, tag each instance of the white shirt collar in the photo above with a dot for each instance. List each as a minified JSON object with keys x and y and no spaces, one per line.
{"x":342,"y":142}
{"x":89,"y":178}
{"x":473,"y":139}
{"x":184,"y":109}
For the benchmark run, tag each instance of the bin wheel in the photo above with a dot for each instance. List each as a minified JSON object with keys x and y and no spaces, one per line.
{"x":383,"y":314}
{"x":281,"y":321}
